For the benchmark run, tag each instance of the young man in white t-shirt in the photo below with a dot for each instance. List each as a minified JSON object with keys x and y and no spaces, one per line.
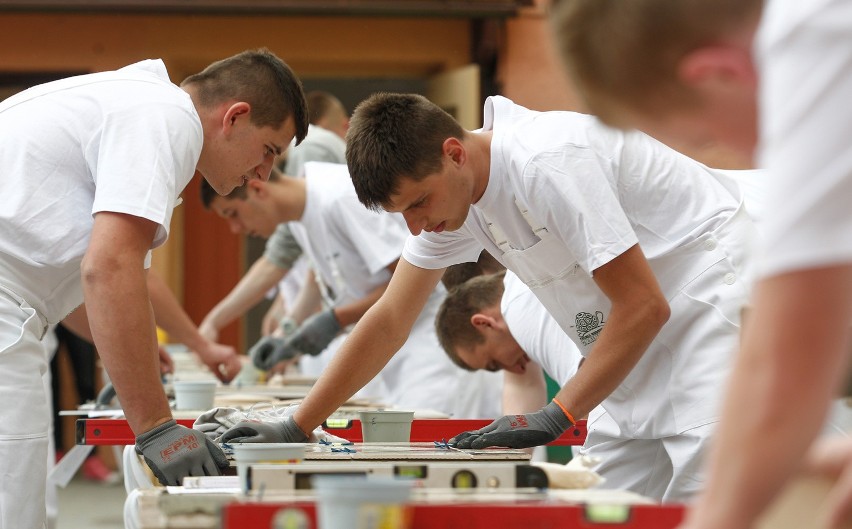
{"x":639,"y":253}
{"x":92,"y":168}
{"x":353,"y":253}
{"x":773,"y":80}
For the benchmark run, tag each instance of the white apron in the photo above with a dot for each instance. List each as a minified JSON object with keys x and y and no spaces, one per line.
{"x":677,"y":383}
{"x":26,"y":415}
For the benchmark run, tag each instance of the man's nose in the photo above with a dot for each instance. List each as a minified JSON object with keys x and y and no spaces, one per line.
{"x":262,"y":171}
{"x":235,"y":226}
{"x":415,"y":223}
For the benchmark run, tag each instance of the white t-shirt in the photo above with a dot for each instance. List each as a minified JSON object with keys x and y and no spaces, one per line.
{"x":598,"y":189}
{"x":124,"y":141}
{"x":349,"y":245}
{"x":319,"y":145}
{"x":805,"y":62}
{"x":536,"y":332}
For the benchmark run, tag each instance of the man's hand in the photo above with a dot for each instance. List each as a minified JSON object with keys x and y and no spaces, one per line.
{"x":221,"y":359}
{"x":517,"y":431}
{"x":270,"y":350}
{"x":315,"y":333}
{"x":286,"y":431}
{"x":173,"y":452}
{"x":831,"y":458}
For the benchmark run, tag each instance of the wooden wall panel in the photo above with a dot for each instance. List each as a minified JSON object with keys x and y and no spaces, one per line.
{"x":212,"y":260}
{"x":314,"y":46}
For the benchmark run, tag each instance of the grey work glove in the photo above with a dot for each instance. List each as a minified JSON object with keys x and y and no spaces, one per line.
{"x":269,"y":350}
{"x":315,"y":333}
{"x":285,"y":431}
{"x":517,"y":431}
{"x":173,"y":452}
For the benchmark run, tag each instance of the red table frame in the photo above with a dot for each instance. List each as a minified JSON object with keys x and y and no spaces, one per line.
{"x":118,"y":432}
{"x":540,"y":515}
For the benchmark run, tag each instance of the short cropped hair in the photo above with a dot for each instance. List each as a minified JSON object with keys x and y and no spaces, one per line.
{"x":321,"y":104}
{"x":259,"y":78}
{"x":392,"y":136}
{"x":625,"y":54}
{"x":207,"y":192}
{"x":452,"y":323}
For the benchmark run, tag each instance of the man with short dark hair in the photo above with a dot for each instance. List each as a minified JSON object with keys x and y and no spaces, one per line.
{"x":92,"y":168}
{"x":326,"y":111}
{"x":639,"y":253}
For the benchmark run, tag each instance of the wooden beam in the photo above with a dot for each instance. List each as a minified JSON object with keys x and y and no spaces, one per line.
{"x":439,"y":8}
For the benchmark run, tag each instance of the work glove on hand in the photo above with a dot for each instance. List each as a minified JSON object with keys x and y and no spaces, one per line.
{"x":517,"y":431}
{"x":173,"y":452}
{"x":285,"y":431}
{"x":315,"y":333}
{"x":269,"y":350}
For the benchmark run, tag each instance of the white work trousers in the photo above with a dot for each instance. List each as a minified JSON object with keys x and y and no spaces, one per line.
{"x":25,"y":416}
{"x":669,"y":469}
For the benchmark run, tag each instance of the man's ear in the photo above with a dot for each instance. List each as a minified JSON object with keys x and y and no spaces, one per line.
{"x":717,"y":65}
{"x":455,"y":150}
{"x":257,"y":189}
{"x":481,"y":321}
{"x":233,"y":113}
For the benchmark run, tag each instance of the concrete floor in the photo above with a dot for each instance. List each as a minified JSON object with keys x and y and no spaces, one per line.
{"x":86,"y":504}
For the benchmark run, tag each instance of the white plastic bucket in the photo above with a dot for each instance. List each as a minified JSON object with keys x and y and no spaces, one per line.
{"x":374,"y":502}
{"x":196,"y":395}
{"x":386,"y":426}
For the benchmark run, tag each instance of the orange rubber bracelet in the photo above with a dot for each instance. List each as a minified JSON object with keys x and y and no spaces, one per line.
{"x":565,"y":411}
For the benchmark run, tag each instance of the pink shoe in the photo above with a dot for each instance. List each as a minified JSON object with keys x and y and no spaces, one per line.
{"x":94,"y":469}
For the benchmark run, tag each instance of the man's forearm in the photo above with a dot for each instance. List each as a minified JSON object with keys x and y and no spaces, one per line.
{"x":370,"y":345}
{"x":367,"y":349}
{"x":170,"y":316}
{"x":127,"y":341}
{"x":638,"y":312}
{"x":308,"y":301}
{"x":783,"y":381}
{"x":625,"y":338}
